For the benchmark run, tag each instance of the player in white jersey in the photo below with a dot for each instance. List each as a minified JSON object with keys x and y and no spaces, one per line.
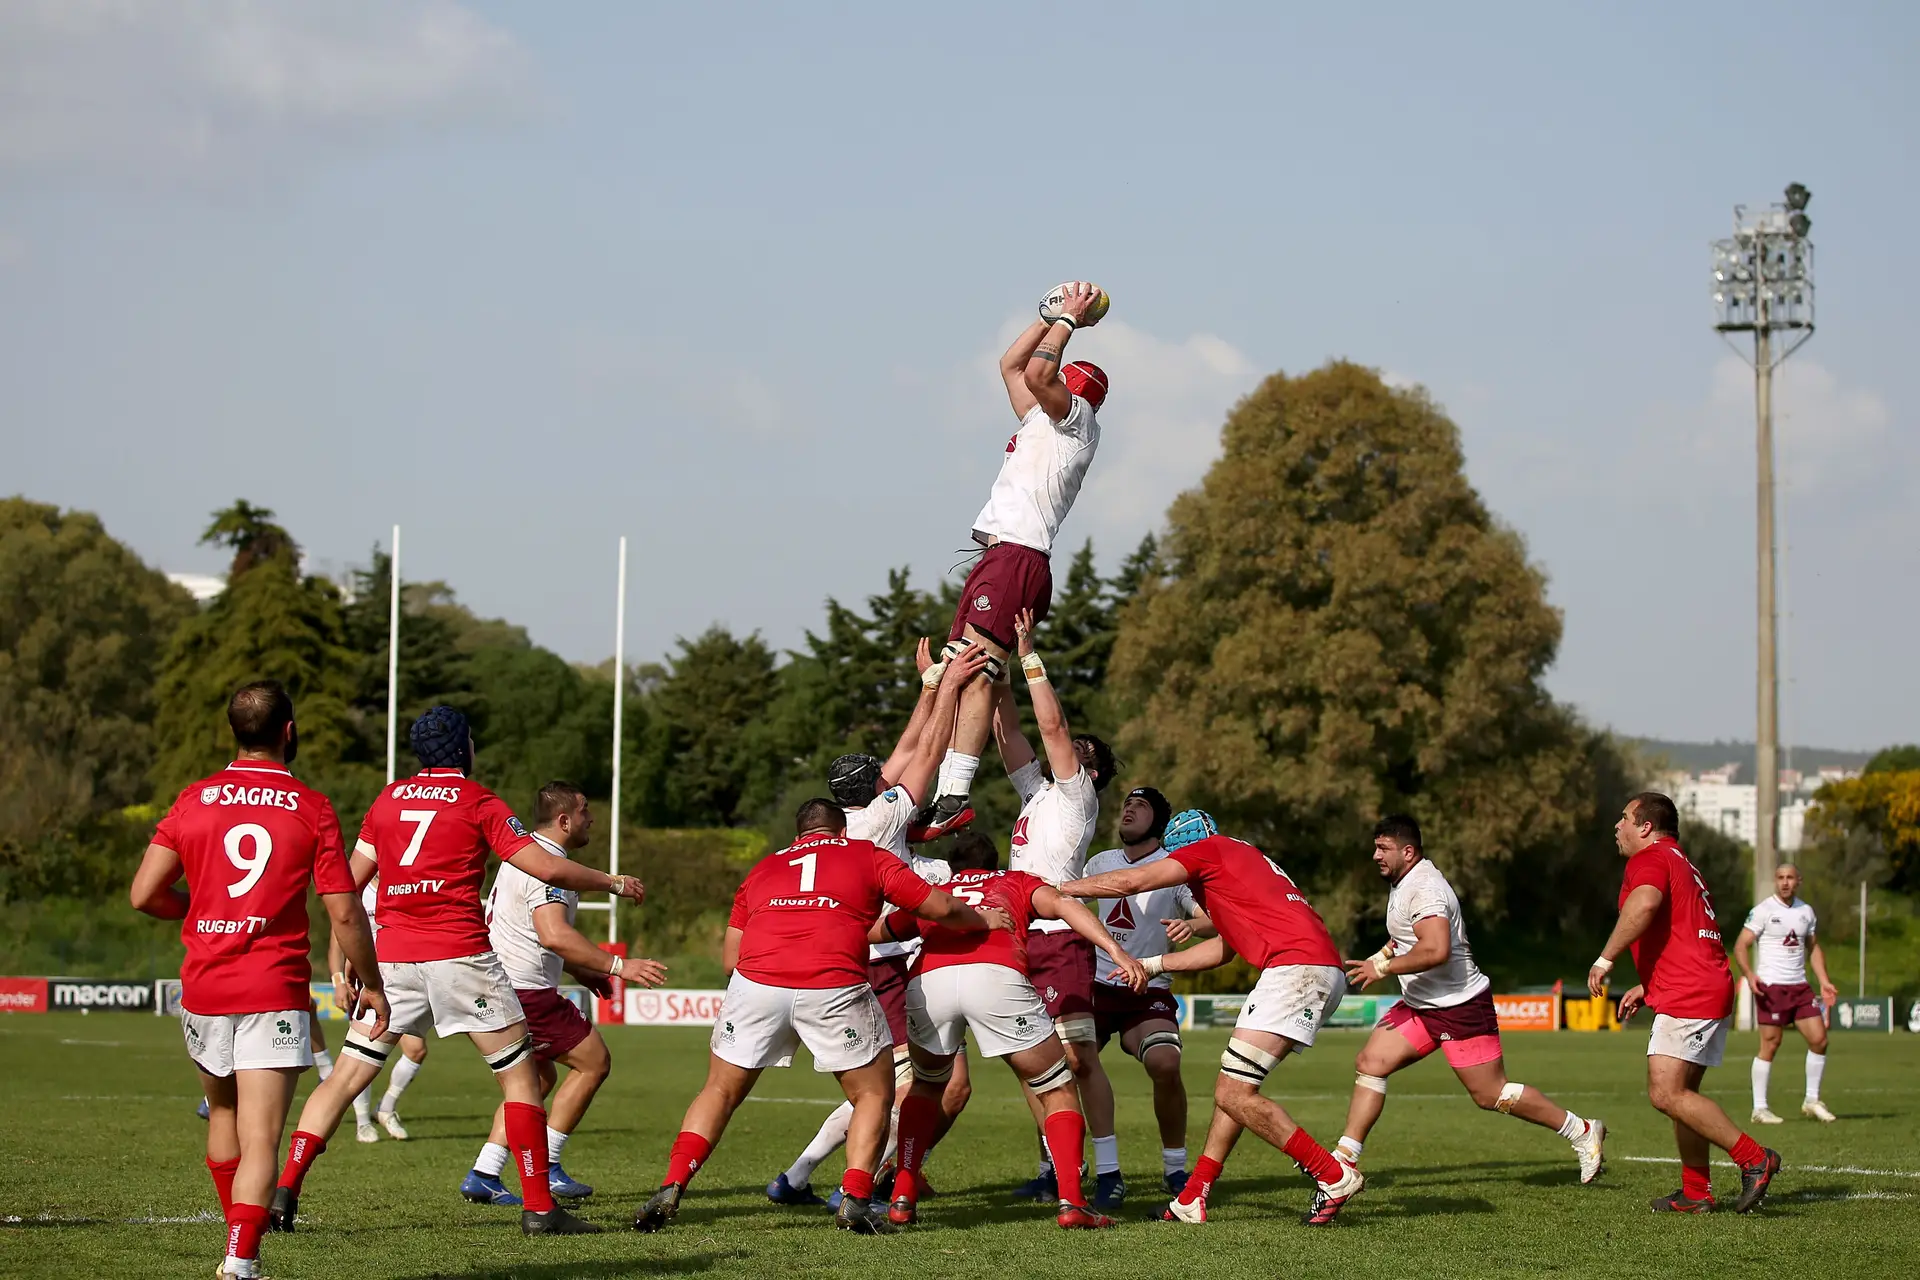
{"x":1782,"y":929}
{"x":1446,"y":1003}
{"x":879,"y":799}
{"x":531,"y":926}
{"x":1150,"y":923}
{"x":1045,"y":464}
{"x":368,"y":1119}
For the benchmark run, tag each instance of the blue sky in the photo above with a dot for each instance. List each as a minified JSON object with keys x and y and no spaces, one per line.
{"x":731,"y":281}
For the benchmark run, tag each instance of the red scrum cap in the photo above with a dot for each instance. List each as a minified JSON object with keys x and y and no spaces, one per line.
{"x":1088,"y":381}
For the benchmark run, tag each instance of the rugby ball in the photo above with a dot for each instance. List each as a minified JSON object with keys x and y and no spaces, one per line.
{"x":1050,"y":305}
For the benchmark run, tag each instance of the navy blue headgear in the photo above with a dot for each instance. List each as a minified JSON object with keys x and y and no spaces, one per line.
{"x":854,"y":780}
{"x":442,"y":739}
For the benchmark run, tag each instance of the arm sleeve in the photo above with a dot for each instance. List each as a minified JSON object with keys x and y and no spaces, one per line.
{"x":1183,"y":898}
{"x":1813,"y":923}
{"x":1755,"y":919}
{"x":1027,"y":780}
{"x":1075,"y":423}
{"x":1424,"y":904}
{"x":539,"y":894}
{"x":737,"y":918}
{"x":505,"y":834}
{"x":1647,"y":869}
{"x":1077,"y":790}
{"x":898,"y":884}
{"x":1192,"y":859}
{"x":330,"y":871}
{"x":167,"y":832}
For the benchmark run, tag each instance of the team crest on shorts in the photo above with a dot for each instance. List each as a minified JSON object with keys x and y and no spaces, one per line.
{"x":209,"y":794}
{"x":480,"y":1003}
{"x":1052,"y":995}
{"x":982,"y":603}
{"x":726,"y":1032}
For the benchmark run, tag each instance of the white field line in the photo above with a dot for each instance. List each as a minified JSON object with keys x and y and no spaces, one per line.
{"x":204,"y":1215}
{"x":1794,"y":1168}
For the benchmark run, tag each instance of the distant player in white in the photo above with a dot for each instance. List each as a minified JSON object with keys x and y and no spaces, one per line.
{"x":1446,"y":1003}
{"x":531,"y":926}
{"x":1150,"y":923}
{"x":879,"y":798}
{"x":413,"y":1050}
{"x":1783,"y":926}
{"x":1045,"y":464}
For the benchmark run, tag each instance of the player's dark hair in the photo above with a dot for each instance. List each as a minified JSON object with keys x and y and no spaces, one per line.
{"x":1657,"y":809}
{"x":1401,"y":828}
{"x":259,"y":714}
{"x":1105,"y":766}
{"x":973,"y":851}
{"x":556,"y":798}
{"x":819,"y":815}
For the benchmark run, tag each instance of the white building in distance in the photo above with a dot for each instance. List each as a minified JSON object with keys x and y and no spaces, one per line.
{"x":1732,"y":808}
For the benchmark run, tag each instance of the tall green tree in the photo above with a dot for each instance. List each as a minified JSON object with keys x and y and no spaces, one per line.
{"x":1341,"y":629}
{"x":709,"y":740}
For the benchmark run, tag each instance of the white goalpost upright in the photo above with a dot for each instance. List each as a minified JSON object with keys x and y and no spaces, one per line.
{"x":612,"y":905}
{"x":393,"y":653}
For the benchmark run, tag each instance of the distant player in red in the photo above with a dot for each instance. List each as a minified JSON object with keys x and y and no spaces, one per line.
{"x":1263,"y":916}
{"x":796,"y":955}
{"x":978,"y":983}
{"x":1666,"y":915}
{"x":428,"y":838}
{"x":249,"y":840}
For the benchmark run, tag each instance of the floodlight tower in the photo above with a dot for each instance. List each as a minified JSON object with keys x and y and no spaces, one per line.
{"x":1763,"y":285}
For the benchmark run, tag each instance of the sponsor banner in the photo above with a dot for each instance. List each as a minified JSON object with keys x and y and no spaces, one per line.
{"x":613,"y":1008}
{"x":1528,"y":1013}
{"x":671,"y":1007}
{"x":73,"y":996}
{"x":1583,"y":1013}
{"x":1872,"y":1014}
{"x":23,"y":995}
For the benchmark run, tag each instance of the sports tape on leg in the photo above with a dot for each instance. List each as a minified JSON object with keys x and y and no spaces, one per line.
{"x":933,"y":1075}
{"x":1078,"y":1029}
{"x":1247,"y":1062}
{"x":1154,"y":1040}
{"x":1509,"y":1095}
{"x":952,"y":649}
{"x":505,"y":1059}
{"x":365,"y":1048}
{"x":1054,"y":1077}
{"x":1378,"y":1084}
{"x":996,"y":669}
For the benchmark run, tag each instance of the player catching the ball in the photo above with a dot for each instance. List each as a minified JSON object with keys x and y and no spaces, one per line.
{"x":1046,"y":462}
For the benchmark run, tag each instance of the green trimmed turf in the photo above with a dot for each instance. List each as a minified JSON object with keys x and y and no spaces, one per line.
{"x":101,"y":1139}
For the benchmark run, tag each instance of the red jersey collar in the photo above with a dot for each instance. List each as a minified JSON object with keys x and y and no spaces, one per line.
{"x":258,"y":766}
{"x":815,"y":837}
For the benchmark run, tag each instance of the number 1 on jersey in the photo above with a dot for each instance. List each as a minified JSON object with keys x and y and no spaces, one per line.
{"x":421,"y":820}
{"x":806,"y":863}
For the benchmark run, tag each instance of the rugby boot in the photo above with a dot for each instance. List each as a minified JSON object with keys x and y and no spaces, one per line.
{"x":780,"y":1191}
{"x":1680,"y":1202}
{"x":903,"y":1212}
{"x":1109,"y":1191}
{"x":857,"y":1214}
{"x":1814,"y":1109}
{"x":390,"y":1121}
{"x":563,"y":1184}
{"x":1175,"y":1182}
{"x":1755,"y":1178}
{"x":1042,"y":1187}
{"x":364,"y":1131}
{"x":1193,"y":1214}
{"x":1765,"y":1115}
{"x":284,"y":1209}
{"x":203,"y":1110}
{"x":1329,"y":1199}
{"x":1590,"y":1147}
{"x":1077,"y":1217}
{"x":946,"y":815}
{"x":659,"y":1209}
{"x":481,"y":1189}
{"x":555,"y":1222}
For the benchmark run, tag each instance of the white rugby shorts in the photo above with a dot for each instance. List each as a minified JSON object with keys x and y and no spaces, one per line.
{"x":1701,"y":1041}
{"x":1293,"y":1000}
{"x":761,"y":1026}
{"x":998,"y":1003}
{"x":450,"y":997}
{"x":223,"y":1043}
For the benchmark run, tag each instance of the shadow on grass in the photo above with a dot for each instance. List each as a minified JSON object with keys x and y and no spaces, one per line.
{"x":1427,"y":1206}
{"x":581,"y":1269}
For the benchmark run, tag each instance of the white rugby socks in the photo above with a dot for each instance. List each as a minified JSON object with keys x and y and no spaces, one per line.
{"x":492,"y":1161}
{"x":1348,"y":1147}
{"x":956,"y":774}
{"x":363,"y":1106}
{"x":1762,"y":1073}
{"x":323,"y":1063}
{"x":1816,"y":1067}
{"x":1106,"y":1154}
{"x":832,"y":1134}
{"x":403,"y":1073}
{"x":1173,"y":1159}
{"x":1570,"y":1128}
{"x":556,"y":1143}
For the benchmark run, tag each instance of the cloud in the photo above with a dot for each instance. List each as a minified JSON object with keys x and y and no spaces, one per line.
{"x":172,"y":89}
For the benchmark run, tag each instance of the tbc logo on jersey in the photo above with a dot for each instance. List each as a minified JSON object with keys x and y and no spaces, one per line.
{"x":983,"y":603}
{"x":209,"y":794}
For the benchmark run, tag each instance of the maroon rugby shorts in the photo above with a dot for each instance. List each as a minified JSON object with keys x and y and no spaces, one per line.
{"x":888,"y":978}
{"x":1060,"y":965}
{"x":1781,"y":1004}
{"x":1008,"y":578}
{"x":1468,"y":1033}
{"x":1118,"y":1010}
{"x":554,"y":1023}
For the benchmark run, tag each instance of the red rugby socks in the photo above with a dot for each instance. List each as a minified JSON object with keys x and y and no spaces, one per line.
{"x":690,"y":1151}
{"x":1696,"y":1183}
{"x":223,"y":1171}
{"x":1746,"y":1153}
{"x":246,"y":1223}
{"x":1311,"y":1156}
{"x":919,"y":1117}
{"x":857,"y":1183}
{"x":527,"y":1138}
{"x":1205,"y":1170}
{"x":301,"y":1153}
{"x":1066,"y":1138}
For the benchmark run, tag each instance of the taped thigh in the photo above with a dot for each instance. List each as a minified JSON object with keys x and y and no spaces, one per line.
{"x":502,"y":1060}
{"x":1056,"y":1076}
{"x":360,"y":1045}
{"x":1154,"y":1040}
{"x":1248,"y":1063}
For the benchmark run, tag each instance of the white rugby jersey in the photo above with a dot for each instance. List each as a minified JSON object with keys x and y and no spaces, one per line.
{"x":368,"y":896}
{"x":1424,"y":893}
{"x":1055,"y":827}
{"x":1134,"y":921}
{"x":510,"y":907}
{"x":1782,"y":932}
{"x":933,"y":871}
{"x":884,"y":822}
{"x":1039,"y":478}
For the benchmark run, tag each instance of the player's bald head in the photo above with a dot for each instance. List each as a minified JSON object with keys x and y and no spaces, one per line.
{"x":819,"y":816}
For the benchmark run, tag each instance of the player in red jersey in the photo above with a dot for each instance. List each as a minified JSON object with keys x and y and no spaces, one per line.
{"x":249,"y":839}
{"x":1666,"y":916}
{"x":796,"y":956}
{"x":978,"y":982}
{"x":1262,"y":915}
{"x":427,"y":837}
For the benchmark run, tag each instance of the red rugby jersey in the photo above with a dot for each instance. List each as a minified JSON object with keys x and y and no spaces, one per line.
{"x":1254,"y":904}
{"x":1012,"y":892}
{"x":251,"y":837}
{"x":430,"y":835}
{"x":1680,"y":957}
{"x":805,"y":910}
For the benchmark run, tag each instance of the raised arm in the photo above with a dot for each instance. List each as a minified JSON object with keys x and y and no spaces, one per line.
{"x":1055,"y":906}
{"x":930,"y":746}
{"x":1016,"y":753}
{"x":909,"y":744}
{"x":568,"y":874}
{"x":1013,"y":367}
{"x":1162,"y":873}
{"x":1056,"y":739}
{"x":1043,"y":379}
{"x":1636,"y":914}
{"x":154,"y":889}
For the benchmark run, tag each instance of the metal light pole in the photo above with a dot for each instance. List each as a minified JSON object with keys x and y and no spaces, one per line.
{"x":1763,"y":285}
{"x":393,"y":652}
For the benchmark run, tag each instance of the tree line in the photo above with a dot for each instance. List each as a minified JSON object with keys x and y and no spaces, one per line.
{"x":1331,"y":626}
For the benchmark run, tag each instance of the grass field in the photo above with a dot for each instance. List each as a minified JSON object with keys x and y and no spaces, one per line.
{"x":103,"y":1174}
